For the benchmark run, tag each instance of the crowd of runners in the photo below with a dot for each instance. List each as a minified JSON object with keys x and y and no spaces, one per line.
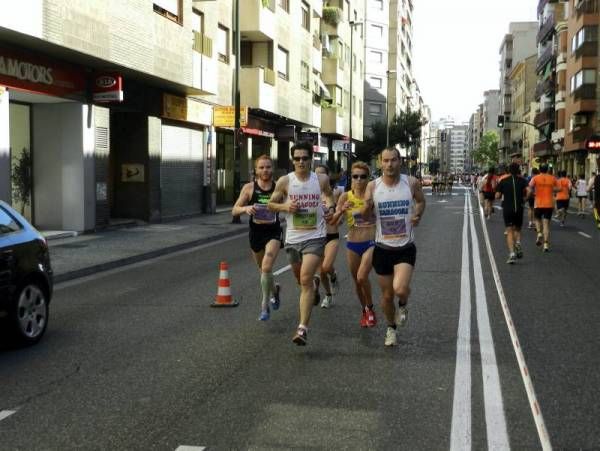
{"x":380,"y":216}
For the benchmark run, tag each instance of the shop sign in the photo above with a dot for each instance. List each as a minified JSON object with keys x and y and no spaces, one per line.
{"x":187,"y":110}
{"x":132,"y":173}
{"x":592,"y":144}
{"x":108,"y":88}
{"x":224,"y":116}
{"x":33,"y":73}
{"x":286,"y":133}
{"x":339,"y":145}
{"x":257,"y":132}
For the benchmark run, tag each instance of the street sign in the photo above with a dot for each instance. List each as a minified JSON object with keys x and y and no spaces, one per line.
{"x":339,"y":145}
{"x":592,"y":144}
{"x":224,"y":116}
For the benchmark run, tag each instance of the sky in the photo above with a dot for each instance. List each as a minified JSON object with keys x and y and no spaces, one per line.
{"x":456,"y":50}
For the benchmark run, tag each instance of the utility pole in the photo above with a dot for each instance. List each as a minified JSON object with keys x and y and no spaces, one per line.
{"x":236,"y":103}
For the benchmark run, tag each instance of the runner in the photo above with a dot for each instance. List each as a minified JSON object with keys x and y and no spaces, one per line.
{"x":513,"y":191}
{"x":265,"y":230}
{"x":545,"y":186}
{"x":328,"y":276}
{"x":398,"y":203}
{"x":488,"y":189}
{"x":562,"y":196}
{"x":581,"y":193}
{"x":531,"y":200}
{"x":360,"y":242}
{"x":301,"y":195}
{"x":594,"y":190}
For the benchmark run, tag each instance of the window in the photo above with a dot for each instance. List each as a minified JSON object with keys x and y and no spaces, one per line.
{"x":348,"y":10}
{"x":7,"y":223}
{"x":305,"y":76}
{"x":223,"y":44}
{"x":377,"y":31}
{"x":305,"y":16}
{"x":375,"y":109}
{"x":354,"y":62}
{"x":354,"y":105}
{"x":376,"y":82}
{"x":197,"y":21}
{"x":171,"y":9}
{"x":585,"y":34}
{"x":375,"y":57}
{"x":583,"y":77}
{"x":360,"y":108}
{"x":347,"y":58}
{"x":282,"y":63}
{"x":338,"y":95}
{"x":378,"y":4}
{"x":284,"y":4}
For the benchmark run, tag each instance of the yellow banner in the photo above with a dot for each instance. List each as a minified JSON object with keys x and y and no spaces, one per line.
{"x":224,"y":116}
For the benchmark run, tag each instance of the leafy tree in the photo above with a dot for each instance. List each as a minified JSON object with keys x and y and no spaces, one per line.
{"x":21,"y":179}
{"x":487,"y":154}
{"x":405,"y":129}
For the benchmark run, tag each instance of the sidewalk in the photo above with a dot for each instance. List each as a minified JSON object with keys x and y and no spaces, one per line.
{"x":78,"y":256}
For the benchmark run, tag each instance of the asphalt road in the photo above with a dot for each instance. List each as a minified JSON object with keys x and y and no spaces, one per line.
{"x":135,"y":358}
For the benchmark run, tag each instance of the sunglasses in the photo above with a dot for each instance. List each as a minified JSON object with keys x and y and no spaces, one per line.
{"x":301,"y":158}
{"x":359,"y":176}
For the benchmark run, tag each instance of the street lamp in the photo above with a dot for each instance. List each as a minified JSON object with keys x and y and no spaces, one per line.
{"x":352,"y":61}
{"x":387,"y":108}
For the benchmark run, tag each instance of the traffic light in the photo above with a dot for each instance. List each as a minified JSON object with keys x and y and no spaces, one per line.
{"x":592,"y":144}
{"x":500,"y":121}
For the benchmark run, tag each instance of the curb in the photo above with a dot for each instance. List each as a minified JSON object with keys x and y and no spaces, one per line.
{"x":79,"y":273}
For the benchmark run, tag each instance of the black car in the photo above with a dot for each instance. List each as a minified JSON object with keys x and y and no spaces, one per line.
{"x":25,"y":278}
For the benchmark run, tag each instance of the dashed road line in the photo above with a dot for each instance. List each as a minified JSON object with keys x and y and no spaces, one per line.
{"x":282,"y":270}
{"x":190,"y":448}
{"x":6,"y":413}
{"x":585,"y":234}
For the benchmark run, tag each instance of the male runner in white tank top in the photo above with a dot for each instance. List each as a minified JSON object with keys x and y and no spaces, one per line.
{"x":307,"y":199}
{"x":398,"y":203}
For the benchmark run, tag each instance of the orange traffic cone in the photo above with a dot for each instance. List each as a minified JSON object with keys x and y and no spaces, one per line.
{"x":224,"y":298}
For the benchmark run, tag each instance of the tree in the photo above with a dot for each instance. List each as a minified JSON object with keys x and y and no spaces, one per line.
{"x":487,"y":153}
{"x":21,"y":179}
{"x":405,"y":129}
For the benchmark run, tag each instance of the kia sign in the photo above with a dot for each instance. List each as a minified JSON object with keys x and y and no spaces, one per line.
{"x":108,"y":88}
{"x":592,"y":144}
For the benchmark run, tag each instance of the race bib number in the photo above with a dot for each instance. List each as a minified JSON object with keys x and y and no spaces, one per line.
{"x":393,"y":227}
{"x":359,"y":221}
{"x":263,"y":215}
{"x":305,"y":220}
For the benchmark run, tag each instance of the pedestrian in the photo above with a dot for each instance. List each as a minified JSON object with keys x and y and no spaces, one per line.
{"x":398,"y":203}
{"x":488,"y":190}
{"x":562,"y":196}
{"x":361,"y":240}
{"x":513,"y":192}
{"x":545,"y":186}
{"x":594,"y":190}
{"x":581,"y":193}
{"x":328,"y":276}
{"x":265,"y":233}
{"x":531,"y":200}
{"x":301,"y":194}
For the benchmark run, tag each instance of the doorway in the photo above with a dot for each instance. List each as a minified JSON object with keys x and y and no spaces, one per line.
{"x":225,"y":168}
{"x":21,"y":162}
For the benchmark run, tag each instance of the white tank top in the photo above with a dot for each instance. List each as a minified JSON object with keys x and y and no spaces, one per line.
{"x":581,"y":187}
{"x":308,"y":222}
{"x":394,"y":210}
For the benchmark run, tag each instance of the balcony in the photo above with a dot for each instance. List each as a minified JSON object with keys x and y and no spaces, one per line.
{"x":332,"y":16}
{"x":581,"y":134}
{"x":541,"y":5}
{"x":542,"y":149}
{"x":257,"y":87}
{"x":585,"y":92}
{"x":257,"y":22}
{"x":544,"y":117}
{"x":333,"y":121}
{"x":546,"y":29}
{"x":547,"y":86}
{"x":588,"y":48}
{"x":333,"y":71}
{"x":544,"y":58}
{"x":587,"y":7}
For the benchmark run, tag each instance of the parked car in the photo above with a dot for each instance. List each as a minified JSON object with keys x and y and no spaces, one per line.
{"x":426,"y":180}
{"x":25,"y":278}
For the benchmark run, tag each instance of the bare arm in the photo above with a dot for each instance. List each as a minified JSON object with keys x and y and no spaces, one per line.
{"x":367,"y":210}
{"x":419,"y":199}
{"x":342,"y":206}
{"x":277,"y":201}
{"x":241,"y":206}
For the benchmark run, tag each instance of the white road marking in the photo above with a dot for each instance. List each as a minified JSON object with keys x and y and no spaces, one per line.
{"x":190,"y":448}
{"x":461,"y":406}
{"x":282,"y":270}
{"x":533,"y":402}
{"x":6,"y":413}
{"x":497,"y":434}
{"x":584,"y":234}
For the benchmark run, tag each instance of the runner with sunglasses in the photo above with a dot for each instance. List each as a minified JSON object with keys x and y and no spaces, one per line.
{"x":303,"y":195}
{"x":265,"y":232}
{"x":361,"y":239}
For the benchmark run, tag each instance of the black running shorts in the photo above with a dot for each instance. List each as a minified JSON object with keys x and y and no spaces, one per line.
{"x":562,"y":204}
{"x":260,"y":237}
{"x":385,"y":259}
{"x":543,"y":213}
{"x":513,"y":218}
{"x":488,"y":195}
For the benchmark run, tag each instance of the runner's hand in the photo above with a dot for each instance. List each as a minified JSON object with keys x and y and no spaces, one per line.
{"x":415,"y":220}
{"x":291,"y":206}
{"x":250,"y":210}
{"x":347,"y":205}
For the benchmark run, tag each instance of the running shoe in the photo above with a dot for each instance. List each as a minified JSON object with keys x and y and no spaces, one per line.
{"x":327,"y":302}
{"x":539,"y":239}
{"x":370,"y":317}
{"x":363,"y":319}
{"x":518,"y":250}
{"x":401,"y":316}
{"x":546,"y":247}
{"x":512,"y":259}
{"x":317,"y":297}
{"x":275,"y":301}
{"x":530,"y":226}
{"x":390,"y":337}
{"x":333,"y":280}
{"x":264,"y":315}
{"x":300,"y":337}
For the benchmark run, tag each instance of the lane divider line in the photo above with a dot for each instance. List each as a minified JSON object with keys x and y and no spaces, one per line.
{"x":190,"y":448}
{"x":6,"y":413}
{"x":282,"y":270}
{"x":497,"y":433}
{"x":585,"y":234}
{"x":460,"y":439}
{"x":533,"y":402}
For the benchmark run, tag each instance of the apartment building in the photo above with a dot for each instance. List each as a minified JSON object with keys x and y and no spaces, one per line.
{"x":523,"y":81}
{"x":580,"y":90}
{"x":491,"y":110}
{"x":518,"y":44}
{"x":458,"y":148}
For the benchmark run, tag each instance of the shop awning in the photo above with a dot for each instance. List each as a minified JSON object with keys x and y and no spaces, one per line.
{"x":326,"y":93}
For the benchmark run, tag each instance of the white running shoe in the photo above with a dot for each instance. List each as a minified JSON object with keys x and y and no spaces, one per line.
{"x":333,"y":281}
{"x":327,"y":302}
{"x":401,"y":316}
{"x":390,"y":337}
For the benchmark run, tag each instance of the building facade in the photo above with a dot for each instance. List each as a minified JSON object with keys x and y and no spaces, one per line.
{"x":523,"y":82}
